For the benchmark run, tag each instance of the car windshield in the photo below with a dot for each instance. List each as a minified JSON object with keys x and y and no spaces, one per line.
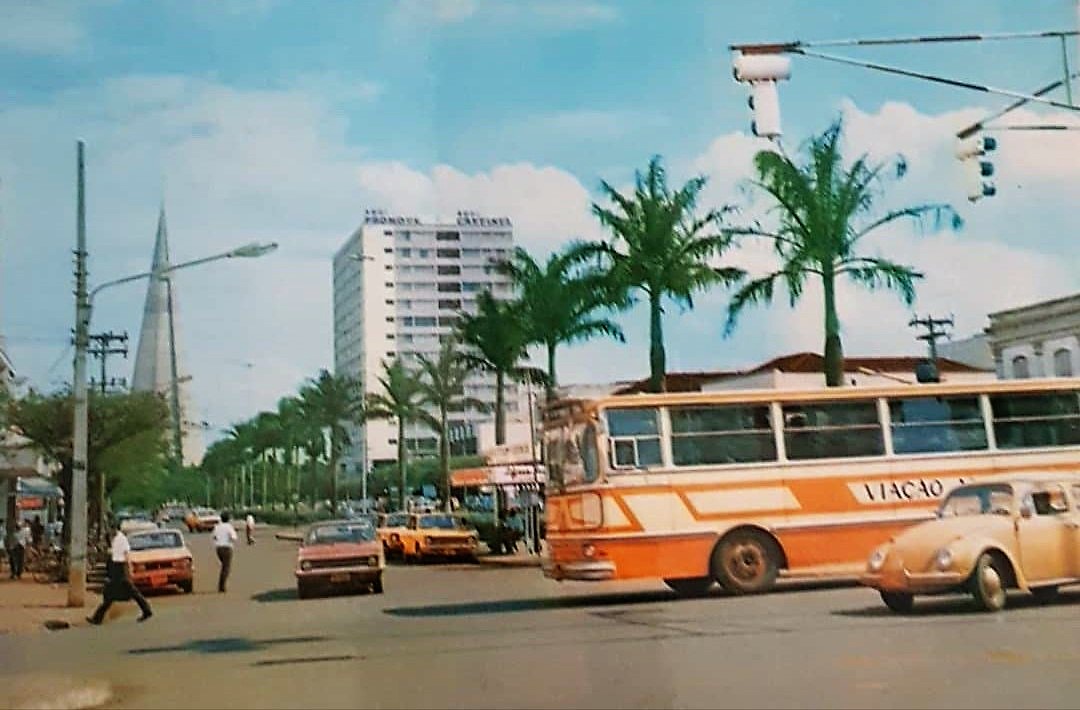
{"x":439,"y":522}
{"x":978,"y":500}
{"x":330,"y":534}
{"x":156,"y":541}
{"x":396,"y":521}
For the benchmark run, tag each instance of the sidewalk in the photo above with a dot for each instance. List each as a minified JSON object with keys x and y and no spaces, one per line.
{"x":518,"y":559}
{"x":26,"y":606}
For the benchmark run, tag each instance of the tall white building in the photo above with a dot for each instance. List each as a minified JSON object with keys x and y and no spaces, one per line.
{"x":399,"y":284}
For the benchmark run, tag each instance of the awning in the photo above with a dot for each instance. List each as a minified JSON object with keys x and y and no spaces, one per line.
{"x":38,"y":487}
{"x":510,"y":475}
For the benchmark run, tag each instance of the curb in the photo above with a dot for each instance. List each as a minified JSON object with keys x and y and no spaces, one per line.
{"x":56,"y":693}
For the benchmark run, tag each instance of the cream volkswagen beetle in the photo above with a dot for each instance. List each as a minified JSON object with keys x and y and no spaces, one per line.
{"x":1018,"y":533}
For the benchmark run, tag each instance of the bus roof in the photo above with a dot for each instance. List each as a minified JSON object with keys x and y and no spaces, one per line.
{"x":569,"y":409}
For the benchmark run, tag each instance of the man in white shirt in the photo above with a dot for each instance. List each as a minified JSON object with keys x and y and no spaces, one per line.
{"x":224,"y":535}
{"x":17,"y":551}
{"x":118,"y":586}
{"x":249,"y":528}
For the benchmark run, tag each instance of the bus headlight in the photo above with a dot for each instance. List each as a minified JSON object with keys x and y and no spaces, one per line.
{"x":943,"y":559}
{"x":877,"y":560}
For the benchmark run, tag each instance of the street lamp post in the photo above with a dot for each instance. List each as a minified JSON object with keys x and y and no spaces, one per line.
{"x":83,"y":310}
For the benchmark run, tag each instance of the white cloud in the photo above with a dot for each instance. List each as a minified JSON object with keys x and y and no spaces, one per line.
{"x":43,"y":26}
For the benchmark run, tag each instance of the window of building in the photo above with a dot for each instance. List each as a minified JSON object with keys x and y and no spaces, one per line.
{"x":389,"y":284}
{"x":405,"y":251}
{"x":447,"y":236}
{"x":1020,"y":367}
{"x":634,"y":437}
{"x":424,"y":321}
{"x":388,"y":233}
{"x":388,"y":250}
{"x":446,"y":304}
{"x":448,"y":253}
{"x":423,"y":252}
{"x":450,"y":287}
{"x":389,"y":319}
{"x":389,"y":301}
{"x":1033,"y":420}
{"x":930,"y":424}
{"x":448,"y":320}
{"x":717,"y":435}
{"x":832,"y":430}
{"x":1063,"y":363}
{"x":449,"y":270}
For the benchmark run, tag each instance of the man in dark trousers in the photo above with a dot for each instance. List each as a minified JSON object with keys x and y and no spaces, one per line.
{"x":224,"y":537}
{"x":118,"y":586}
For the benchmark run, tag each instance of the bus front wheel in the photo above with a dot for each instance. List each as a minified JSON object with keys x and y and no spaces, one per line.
{"x":746,"y":562}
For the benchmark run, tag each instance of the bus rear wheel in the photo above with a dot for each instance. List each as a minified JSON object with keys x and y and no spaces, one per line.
{"x":690,"y":586}
{"x":746,"y":562}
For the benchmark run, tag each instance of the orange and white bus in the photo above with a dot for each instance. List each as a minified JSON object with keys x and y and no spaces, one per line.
{"x":740,"y":487}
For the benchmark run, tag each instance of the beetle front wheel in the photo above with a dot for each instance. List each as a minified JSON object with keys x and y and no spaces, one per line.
{"x":988,"y":583}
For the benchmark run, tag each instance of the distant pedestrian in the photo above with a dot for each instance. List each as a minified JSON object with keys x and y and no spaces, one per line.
{"x":37,"y":532}
{"x":20,"y":540}
{"x":249,"y":528}
{"x":224,"y":536}
{"x":118,"y":586}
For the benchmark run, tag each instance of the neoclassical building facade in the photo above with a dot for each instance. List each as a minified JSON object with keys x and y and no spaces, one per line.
{"x":1038,"y":340}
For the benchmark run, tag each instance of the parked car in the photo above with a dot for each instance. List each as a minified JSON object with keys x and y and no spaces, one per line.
{"x":171,"y":513}
{"x":131,"y":521}
{"x":339,"y":554}
{"x":160,"y":558}
{"x":438,"y":534}
{"x":201,"y":519}
{"x":390,"y":529}
{"x":988,"y":537}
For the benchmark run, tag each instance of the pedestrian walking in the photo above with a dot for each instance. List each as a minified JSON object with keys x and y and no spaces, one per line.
{"x":20,"y":540}
{"x":118,"y":586}
{"x":37,"y":532}
{"x":249,"y":528}
{"x":224,"y":536}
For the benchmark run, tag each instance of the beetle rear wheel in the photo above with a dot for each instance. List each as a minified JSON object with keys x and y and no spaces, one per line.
{"x":988,"y":583}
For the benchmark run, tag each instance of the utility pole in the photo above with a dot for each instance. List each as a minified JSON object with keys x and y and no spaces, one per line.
{"x":103,"y":350}
{"x":932,"y":333}
{"x":77,"y":515}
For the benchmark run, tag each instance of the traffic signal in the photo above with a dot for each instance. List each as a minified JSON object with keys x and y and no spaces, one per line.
{"x":761,"y":72}
{"x":969,"y":150}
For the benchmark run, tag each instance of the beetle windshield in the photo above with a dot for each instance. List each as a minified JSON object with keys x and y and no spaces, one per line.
{"x":991,"y":499}
{"x":156,"y":541}
{"x":329,"y":534}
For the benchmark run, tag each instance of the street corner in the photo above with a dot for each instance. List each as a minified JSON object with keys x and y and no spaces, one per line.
{"x":54,"y":692}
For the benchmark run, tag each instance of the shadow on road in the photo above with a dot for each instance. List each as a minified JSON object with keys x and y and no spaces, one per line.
{"x":225,"y":644}
{"x":955,"y":605}
{"x":287,"y":594}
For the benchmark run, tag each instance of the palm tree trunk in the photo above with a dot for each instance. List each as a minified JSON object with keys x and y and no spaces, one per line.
{"x":500,"y":406}
{"x":401,"y":460}
{"x":657,"y":357}
{"x":333,"y":473}
{"x":834,"y":351}
{"x":444,"y":457}
{"x":549,"y":389}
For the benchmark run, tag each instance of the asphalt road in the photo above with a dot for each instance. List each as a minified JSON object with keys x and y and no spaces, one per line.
{"x":476,"y":637}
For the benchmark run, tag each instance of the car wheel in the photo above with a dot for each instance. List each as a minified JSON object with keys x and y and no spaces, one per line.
{"x":690,"y":586}
{"x":745,"y":562}
{"x":376,"y":586}
{"x":900,"y":602}
{"x":186,"y":586}
{"x":988,"y":583}
{"x":1045,"y":595}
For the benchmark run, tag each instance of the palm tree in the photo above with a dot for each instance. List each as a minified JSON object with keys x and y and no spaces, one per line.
{"x":498,"y":337}
{"x":333,"y":402}
{"x":660,"y":246}
{"x":442,"y":386}
{"x":559,"y":299}
{"x":818,"y":206}
{"x":294,"y":431}
{"x":401,"y":399}
{"x":243,"y":437}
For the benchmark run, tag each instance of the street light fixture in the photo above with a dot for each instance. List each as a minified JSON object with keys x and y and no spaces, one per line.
{"x":80,"y":445}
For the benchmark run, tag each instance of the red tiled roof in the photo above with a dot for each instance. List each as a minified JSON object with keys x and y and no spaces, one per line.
{"x":799,"y":363}
{"x":812,"y":363}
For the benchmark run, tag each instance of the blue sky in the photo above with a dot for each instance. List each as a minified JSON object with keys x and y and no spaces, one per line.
{"x":284,"y":120}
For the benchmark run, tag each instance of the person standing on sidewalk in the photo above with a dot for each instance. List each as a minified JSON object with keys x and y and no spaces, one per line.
{"x":17,"y":549}
{"x":224,"y":537}
{"x":249,"y":528}
{"x":118,"y":586}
